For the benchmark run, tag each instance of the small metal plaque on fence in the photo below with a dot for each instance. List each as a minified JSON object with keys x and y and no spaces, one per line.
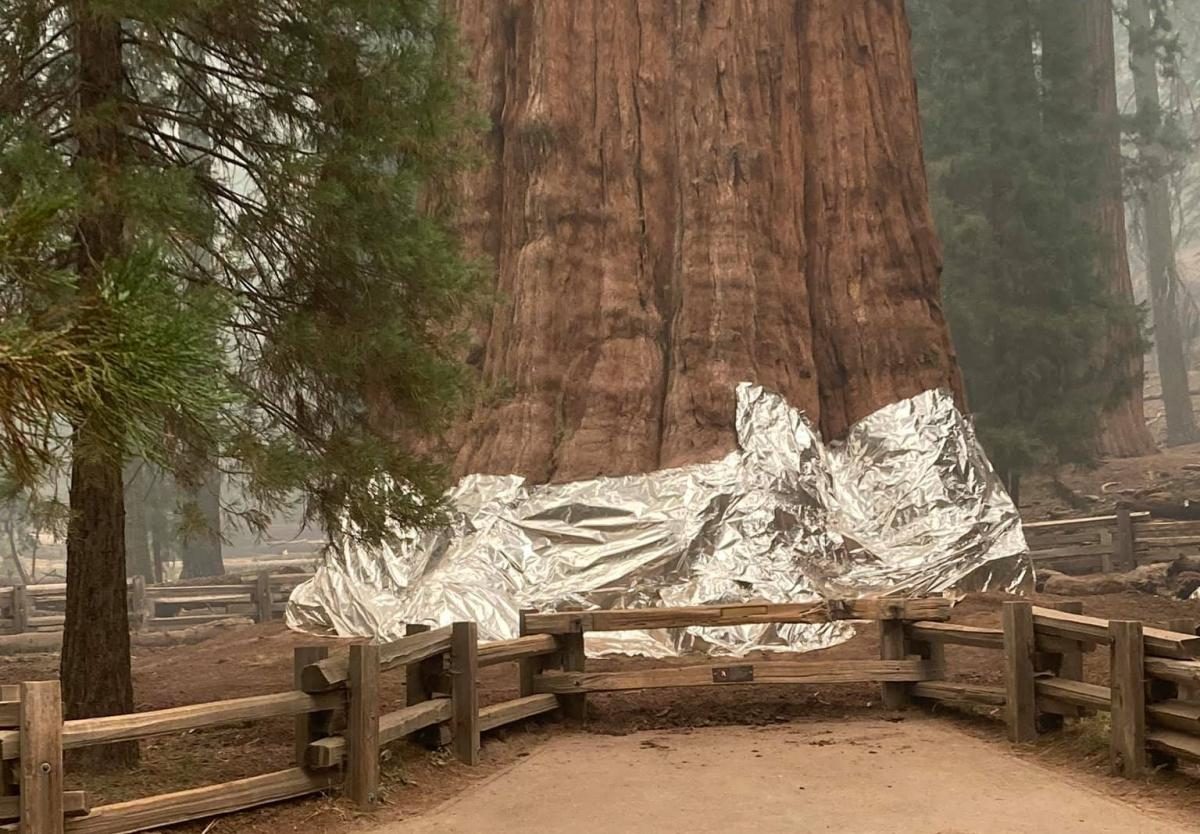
{"x":733,"y":674}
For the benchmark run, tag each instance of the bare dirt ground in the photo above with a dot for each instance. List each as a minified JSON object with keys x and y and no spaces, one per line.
{"x":915,"y":776}
{"x":1172,"y":474}
{"x":257,"y":659}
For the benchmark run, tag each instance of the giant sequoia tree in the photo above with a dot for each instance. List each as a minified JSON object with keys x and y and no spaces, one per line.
{"x":682,"y":194}
{"x":214,"y":245}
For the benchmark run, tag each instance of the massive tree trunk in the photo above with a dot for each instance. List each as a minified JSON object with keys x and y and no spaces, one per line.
{"x":684,"y":194}
{"x":1123,"y":432}
{"x":1160,"y":238}
{"x":95,"y":669}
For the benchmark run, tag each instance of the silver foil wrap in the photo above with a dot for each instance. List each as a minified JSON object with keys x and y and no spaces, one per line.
{"x":907,"y":505}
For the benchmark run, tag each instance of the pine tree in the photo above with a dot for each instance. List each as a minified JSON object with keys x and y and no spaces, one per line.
{"x":280,"y":298}
{"x":1014,"y":156}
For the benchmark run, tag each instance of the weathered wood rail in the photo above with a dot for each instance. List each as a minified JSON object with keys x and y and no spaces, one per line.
{"x":570,"y":681}
{"x":1153,"y":697}
{"x":1112,"y":543}
{"x":262,"y":597}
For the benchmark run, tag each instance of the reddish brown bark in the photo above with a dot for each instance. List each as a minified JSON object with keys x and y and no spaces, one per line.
{"x":1123,"y":432}
{"x":684,"y":194}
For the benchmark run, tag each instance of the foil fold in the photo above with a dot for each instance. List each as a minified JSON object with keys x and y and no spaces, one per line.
{"x":907,"y":504}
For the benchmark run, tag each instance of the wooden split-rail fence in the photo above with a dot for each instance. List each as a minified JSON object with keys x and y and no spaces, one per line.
{"x":1113,"y":543}
{"x":340,"y":729}
{"x":262,"y":597}
{"x":1153,"y":693}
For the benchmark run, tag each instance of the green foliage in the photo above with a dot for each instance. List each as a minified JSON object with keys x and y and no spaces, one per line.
{"x":1015,"y":162}
{"x":283,"y":292}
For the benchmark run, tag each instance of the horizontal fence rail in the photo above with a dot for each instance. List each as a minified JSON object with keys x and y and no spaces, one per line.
{"x":569,"y":622}
{"x":261,"y":598}
{"x":1112,"y":543}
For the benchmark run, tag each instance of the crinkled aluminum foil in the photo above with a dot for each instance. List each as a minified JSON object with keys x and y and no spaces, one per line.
{"x":907,"y":505}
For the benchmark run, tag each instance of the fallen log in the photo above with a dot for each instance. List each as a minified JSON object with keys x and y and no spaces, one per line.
{"x":35,"y":642}
{"x":1186,"y":510}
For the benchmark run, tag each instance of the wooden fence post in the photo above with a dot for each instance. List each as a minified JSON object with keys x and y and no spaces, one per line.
{"x":20,"y":609}
{"x":41,"y":801}
{"x":1123,"y":541}
{"x":1106,"y":558}
{"x":421,"y":683}
{"x":571,"y":656}
{"x":362,"y":726}
{"x":893,"y":645}
{"x":262,"y":596}
{"x":527,"y":667}
{"x":464,"y":669}
{"x":10,"y":769}
{"x":313,"y":725}
{"x":1020,"y":709}
{"x":1128,"y":746}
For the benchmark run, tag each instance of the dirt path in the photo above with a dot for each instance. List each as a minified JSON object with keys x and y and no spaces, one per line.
{"x":913,"y":777}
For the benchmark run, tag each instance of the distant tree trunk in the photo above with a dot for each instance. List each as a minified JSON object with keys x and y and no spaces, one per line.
{"x":683,"y":195}
{"x":1124,"y":432}
{"x":160,"y":503}
{"x":10,"y":528}
{"x":137,"y":544}
{"x":1160,"y":241}
{"x":95,"y":669}
{"x":202,"y":547}
{"x":157,"y":524}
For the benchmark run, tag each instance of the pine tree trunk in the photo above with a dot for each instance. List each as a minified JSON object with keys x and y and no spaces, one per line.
{"x":1160,"y":242}
{"x":96,"y":675}
{"x":158,"y":538}
{"x":1124,"y":432}
{"x":684,"y":194}
{"x":137,"y":542}
{"x":202,"y":547}
{"x":95,"y":668}
{"x":14,"y":552}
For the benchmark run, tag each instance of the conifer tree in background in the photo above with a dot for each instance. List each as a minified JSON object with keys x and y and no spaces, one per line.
{"x":1123,"y":431}
{"x":1014,"y":156}
{"x":200,"y":532}
{"x":281,"y":299}
{"x":1148,"y":24}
